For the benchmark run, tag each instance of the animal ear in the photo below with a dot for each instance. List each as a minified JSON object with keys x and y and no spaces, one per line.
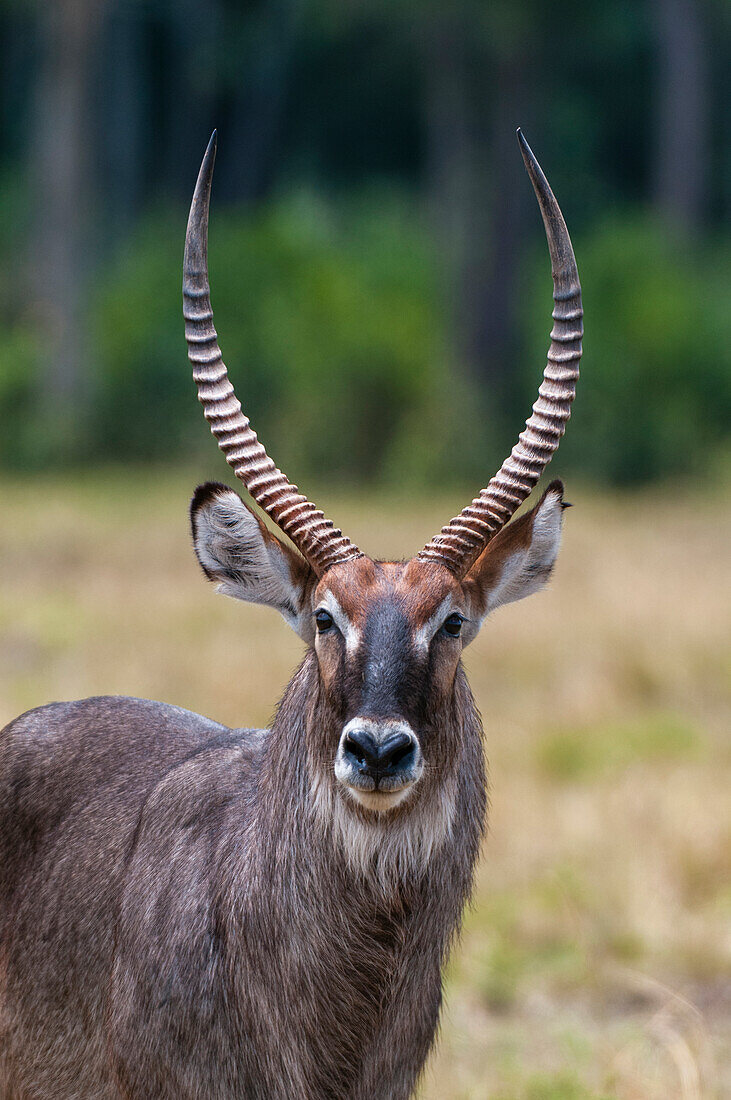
{"x":519,"y":560}
{"x":247,"y":561}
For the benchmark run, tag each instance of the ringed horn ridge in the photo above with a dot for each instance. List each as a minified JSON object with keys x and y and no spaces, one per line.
{"x":322,"y":544}
{"x":464,"y":538}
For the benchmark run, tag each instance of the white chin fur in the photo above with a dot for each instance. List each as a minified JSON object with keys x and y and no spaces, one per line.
{"x":384,"y":847}
{"x":381,"y":801}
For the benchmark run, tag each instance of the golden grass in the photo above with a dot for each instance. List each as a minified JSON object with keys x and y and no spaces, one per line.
{"x":595,"y":960}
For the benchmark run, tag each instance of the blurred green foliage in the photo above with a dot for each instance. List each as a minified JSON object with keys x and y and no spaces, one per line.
{"x":655,"y":393}
{"x":559,"y":1086}
{"x":380,"y":287}
{"x":570,"y":755}
{"x":328,"y":324}
{"x":333,"y":327}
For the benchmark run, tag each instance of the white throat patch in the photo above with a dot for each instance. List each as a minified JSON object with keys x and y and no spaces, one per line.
{"x":386,"y":848}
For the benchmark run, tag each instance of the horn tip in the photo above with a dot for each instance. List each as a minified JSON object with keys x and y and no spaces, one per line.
{"x":210,"y":153}
{"x":527,"y":153}
{"x":206,"y":169}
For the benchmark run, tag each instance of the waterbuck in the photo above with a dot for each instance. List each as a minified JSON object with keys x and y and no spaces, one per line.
{"x":189,"y":911}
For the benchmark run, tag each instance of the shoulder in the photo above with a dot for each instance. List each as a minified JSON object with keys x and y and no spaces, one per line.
{"x":73,"y":751}
{"x":122,"y":717}
{"x":103,"y":711}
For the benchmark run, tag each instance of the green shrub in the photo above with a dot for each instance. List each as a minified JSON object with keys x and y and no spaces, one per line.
{"x":328,"y":324}
{"x":574,"y":754}
{"x":333,"y":327}
{"x":655,"y":394}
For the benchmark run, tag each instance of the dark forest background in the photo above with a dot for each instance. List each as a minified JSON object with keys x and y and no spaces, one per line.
{"x":379,"y":273}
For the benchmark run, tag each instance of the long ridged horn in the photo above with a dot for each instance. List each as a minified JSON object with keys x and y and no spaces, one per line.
{"x":460,"y":543}
{"x":322,"y":544}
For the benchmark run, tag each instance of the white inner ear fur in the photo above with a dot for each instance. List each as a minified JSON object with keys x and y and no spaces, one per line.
{"x":528,"y":570}
{"x":246,"y":563}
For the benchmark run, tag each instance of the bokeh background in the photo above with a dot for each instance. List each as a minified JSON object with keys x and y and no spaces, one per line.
{"x":382,"y":290}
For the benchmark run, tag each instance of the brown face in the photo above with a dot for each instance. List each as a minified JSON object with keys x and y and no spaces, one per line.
{"x":388,"y":635}
{"x":388,"y":640}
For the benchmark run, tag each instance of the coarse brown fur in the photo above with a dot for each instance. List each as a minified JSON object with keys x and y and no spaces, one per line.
{"x":189,"y":911}
{"x":179,"y":919}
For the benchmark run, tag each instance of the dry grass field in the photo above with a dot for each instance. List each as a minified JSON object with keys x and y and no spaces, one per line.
{"x":596,"y":959}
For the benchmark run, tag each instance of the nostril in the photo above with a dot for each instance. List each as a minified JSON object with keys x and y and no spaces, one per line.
{"x":353,"y":749}
{"x":379,"y":756}
{"x":397,"y":750}
{"x":399,"y":755}
{"x":362,"y":747}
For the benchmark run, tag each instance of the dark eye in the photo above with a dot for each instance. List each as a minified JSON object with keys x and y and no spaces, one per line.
{"x":324,"y":620}
{"x":453,"y":625}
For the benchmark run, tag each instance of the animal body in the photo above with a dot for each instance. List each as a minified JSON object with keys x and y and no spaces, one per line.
{"x":189,"y":911}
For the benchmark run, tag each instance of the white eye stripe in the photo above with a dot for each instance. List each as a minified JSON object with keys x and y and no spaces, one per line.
{"x":354,"y":636}
{"x":425,"y":633}
{"x":350,"y":633}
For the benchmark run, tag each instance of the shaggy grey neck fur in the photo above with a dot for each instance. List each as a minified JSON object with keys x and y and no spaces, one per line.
{"x":180,"y":921}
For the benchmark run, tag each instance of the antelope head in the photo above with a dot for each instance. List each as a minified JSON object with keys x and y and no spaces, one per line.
{"x":387,"y":636}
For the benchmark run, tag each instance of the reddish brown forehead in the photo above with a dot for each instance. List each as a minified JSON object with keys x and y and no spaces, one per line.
{"x":418,"y":587}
